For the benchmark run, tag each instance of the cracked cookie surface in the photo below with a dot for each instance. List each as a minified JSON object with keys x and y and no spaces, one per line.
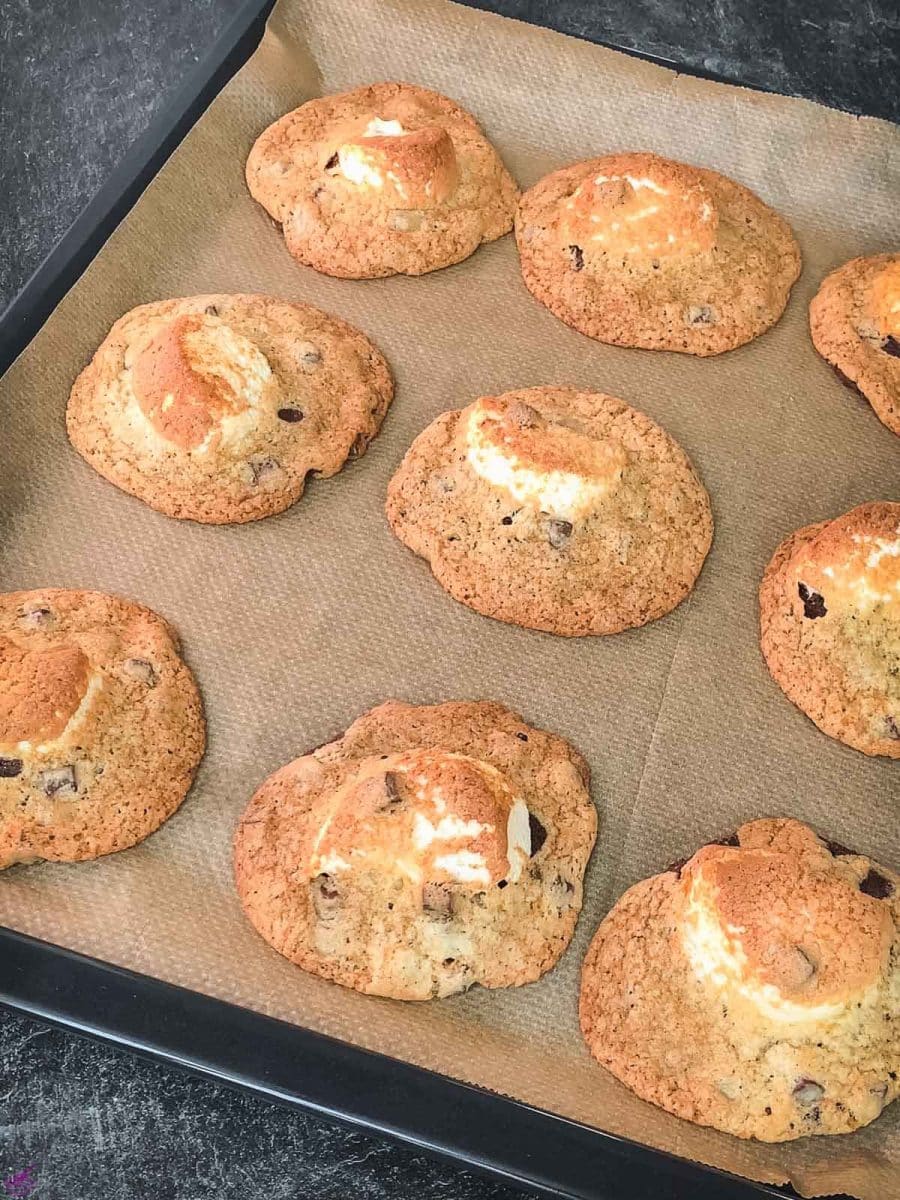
{"x":555,"y":509}
{"x":427,"y":849}
{"x":382,"y":180}
{"x":638,"y":250}
{"x":216,"y":408}
{"x":755,"y":988}
{"x":101,"y":725}
{"x":854,"y":320}
{"x":830,"y":625}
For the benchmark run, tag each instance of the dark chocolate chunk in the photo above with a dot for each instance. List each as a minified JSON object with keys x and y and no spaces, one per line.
{"x":730,"y":839}
{"x":577,"y":255}
{"x":813,"y":603}
{"x":141,"y":670}
{"x":326,"y":897}
{"x":506,"y":521}
{"x":523,"y":737}
{"x":836,"y":849}
{"x":332,"y":163}
{"x":558,"y":532}
{"x":10,"y":767}
{"x":391,"y":789}
{"x":876,"y":885}
{"x":891,"y":346}
{"x":37,"y":618}
{"x":291,"y":415}
{"x":503,"y":883}
{"x":538,"y":833}
{"x":847,"y":381}
{"x":58,"y":781}
{"x":261,"y":468}
{"x":700,"y":314}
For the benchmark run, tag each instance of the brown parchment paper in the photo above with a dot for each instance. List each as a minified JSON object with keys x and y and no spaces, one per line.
{"x":296,"y":624}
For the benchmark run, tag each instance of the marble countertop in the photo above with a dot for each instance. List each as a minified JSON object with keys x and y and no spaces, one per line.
{"x":79,"y":82}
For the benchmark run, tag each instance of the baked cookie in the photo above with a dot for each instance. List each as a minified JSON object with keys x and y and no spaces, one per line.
{"x":854,"y":319}
{"x":215,"y":408}
{"x":754,"y":988}
{"x":387,"y":179}
{"x":830,"y":619}
{"x":423,"y":851}
{"x":101,"y":725}
{"x":556,"y":509}
{"x":637,"y":250}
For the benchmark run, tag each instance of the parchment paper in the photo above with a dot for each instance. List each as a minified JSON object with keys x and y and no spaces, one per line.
{"x":296,"y":624}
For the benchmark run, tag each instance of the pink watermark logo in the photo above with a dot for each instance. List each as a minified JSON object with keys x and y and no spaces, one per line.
{"x":21,"y":1185}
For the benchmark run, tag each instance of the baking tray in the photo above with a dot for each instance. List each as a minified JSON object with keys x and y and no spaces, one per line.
{"x":283,"y":1062}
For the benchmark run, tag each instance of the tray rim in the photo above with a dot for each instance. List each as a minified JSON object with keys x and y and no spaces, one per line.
{"x":511,"y":1141}
{"x":484,"y":1131}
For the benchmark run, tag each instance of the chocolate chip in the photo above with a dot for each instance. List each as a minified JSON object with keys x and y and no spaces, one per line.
{"x":837,"y":849}
{"x":893,"y":727}
{"x":10,"y":767}
{"x":558,"y":532}
{"x":506,"y":521}
{"x":332,"y":163}
{"x":437,"y":899}
{"x":730,"y":839}
{"x":577,"y":255}
{"x":391,"y":789}
{"x":538,"y":833}
{"x":291,"y":415}
{"x":891,"y":346}
{"x":360,"y":442}
{"x":211,"y":310}
{"x":448,"y":962}
{"x":58,"y":781}
{"x":262,"y":468}
{"x":309,"y":356}
{"x":876,"y":885}
{"x":561,"y":884}
{"x":141,"y":670}
{"x":503,"y":883}
{"x":813,"y":603}
{"x":326,"y":897}
{"x":807,"y":1091}
{"x":700,"y":314}
{"x":37,"y":618}
{"x":523,"y":737}
{"x":847,"y":381}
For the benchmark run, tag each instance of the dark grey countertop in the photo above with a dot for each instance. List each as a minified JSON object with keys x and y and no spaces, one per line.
{"x":79,"y":81}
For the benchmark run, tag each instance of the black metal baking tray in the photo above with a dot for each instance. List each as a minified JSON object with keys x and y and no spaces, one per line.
{"x":282,"y":1062}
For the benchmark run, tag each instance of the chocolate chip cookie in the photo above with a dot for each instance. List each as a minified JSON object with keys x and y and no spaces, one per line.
{"x":755,"y":988}
{"x":384,"y":180}
{"x":854,"y":319}
{"x":637,"y":250}
{"x":101,"y":725}
{"x":830,"y":620}
{"x":216,"y":408}
{"x":555,"y":509}
{"x":425,"y":850}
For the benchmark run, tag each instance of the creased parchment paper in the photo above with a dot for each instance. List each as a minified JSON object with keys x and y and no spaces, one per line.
{"x":296,"y":624}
